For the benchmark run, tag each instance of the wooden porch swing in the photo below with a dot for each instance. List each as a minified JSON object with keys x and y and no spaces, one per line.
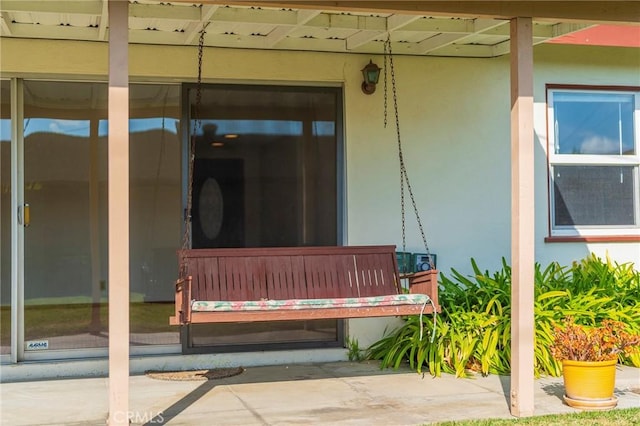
{"x":297,"y":283}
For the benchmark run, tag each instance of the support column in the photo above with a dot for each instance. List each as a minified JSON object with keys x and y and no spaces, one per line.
{"x":118,"y":159}
{"x":522,"y":219}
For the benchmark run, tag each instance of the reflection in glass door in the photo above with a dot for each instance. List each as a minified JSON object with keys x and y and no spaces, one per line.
{"x":155,"y":213}
{"x":65,"y":179}
{"x":65,"y":187}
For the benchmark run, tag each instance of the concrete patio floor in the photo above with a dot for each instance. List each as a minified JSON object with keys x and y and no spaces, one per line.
{"x":343,"y":393}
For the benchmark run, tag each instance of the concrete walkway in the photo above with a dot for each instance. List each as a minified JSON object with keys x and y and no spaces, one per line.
{"x":340,"y":393}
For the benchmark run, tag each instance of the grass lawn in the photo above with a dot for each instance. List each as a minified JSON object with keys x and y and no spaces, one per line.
{"x":621,"y":417}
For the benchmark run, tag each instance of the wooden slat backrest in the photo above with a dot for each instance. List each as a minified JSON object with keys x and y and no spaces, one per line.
{"x":378,"y":275}
{"x":292,"y":273}
{"x":206,"y":278}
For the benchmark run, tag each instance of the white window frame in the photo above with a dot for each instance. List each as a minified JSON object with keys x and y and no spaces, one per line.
{"x":579,"y":231}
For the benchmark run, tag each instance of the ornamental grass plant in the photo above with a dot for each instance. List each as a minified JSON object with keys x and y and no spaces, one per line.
{"x":473,"y":332}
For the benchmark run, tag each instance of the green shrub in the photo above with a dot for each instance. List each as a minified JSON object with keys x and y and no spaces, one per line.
{"x":473,"y":332}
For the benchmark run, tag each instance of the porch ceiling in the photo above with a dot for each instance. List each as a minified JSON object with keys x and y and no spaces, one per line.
{"x":282,"y":28}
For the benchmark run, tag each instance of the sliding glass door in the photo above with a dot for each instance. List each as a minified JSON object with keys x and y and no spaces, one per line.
{"x":64,"y":218}
{"x":265,"y":175}
{"x":65,"y":188}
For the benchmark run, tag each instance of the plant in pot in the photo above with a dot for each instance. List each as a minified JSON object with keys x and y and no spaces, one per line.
{"x":589,"y":356}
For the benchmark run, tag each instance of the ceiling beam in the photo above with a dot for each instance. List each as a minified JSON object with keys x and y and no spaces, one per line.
{"x":363,"y":37}
{"x":440,"y":25}
{"x":313,"y":44}
{"x":61,"y":32}
{"x":481,"y":25}
{"x":164,"y":11}
{"x":104,"y":21}
{"x":256,"y":16}
{"x":156,"y":37}
{"x":436,"y":42}
{"x":541,"y":31}
{"x":349,"y":22}
{"x":476,"y":26}
{"x":5,"y":26}
{"x":393,"y":22}
{"x":465,"y":50}
{"x":400,"y":22}
{"x":281,"y":32}
{"x":85,"y":7}
{"x":194,"y":28}
{"x":502,"y":48}
{"x":575,"y":11}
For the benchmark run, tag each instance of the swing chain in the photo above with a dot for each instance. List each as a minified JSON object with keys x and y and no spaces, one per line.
{"x":388,"y":60}
{"x":404,"y":176}
{"x":197,"y":125}
{"x":385,"y":84}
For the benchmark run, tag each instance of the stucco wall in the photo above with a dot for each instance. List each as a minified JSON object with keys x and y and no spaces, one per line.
{"x":454,"y":116}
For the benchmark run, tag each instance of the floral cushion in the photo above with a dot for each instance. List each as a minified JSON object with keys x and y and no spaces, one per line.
{"x":293,"y":304}
{"x":348,"y":302}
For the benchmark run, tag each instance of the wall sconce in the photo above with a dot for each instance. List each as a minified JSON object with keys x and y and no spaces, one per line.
{"x":371,"y":74}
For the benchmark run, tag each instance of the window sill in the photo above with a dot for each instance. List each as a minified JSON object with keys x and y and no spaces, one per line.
{"x":594,"y":239}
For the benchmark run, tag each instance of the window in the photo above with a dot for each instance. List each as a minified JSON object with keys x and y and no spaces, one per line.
{"x":594,"y":162}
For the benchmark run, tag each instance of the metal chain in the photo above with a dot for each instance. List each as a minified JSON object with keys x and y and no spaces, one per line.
{"x":389,"y":61}
{"x":197,"y":125}
{"x":404,"y":176}
{"x":386,"y":57}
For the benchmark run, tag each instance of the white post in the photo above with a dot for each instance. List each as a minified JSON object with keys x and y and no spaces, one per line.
{"x":522,"y":218}
{"x":118,"y":159}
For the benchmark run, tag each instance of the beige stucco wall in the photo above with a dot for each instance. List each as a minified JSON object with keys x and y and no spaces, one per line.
{"x":454,"y":117}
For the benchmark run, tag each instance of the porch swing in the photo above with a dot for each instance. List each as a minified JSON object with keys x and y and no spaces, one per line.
{"x":221,"y":285}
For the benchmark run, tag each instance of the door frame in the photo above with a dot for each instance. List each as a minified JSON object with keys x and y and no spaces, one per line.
{"x":17,"y":227}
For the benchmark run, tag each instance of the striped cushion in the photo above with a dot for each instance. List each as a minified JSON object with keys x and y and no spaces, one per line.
{"x":293,"y":304}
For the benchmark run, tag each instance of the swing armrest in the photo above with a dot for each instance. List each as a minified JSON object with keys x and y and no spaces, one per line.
{"x":425,"y":282}
{"x":182,"y":302}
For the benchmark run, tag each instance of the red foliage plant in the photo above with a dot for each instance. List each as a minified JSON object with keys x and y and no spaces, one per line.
{"x":580,"y":343}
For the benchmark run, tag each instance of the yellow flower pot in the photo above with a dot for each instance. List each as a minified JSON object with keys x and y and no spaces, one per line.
{"x":589,"y":384}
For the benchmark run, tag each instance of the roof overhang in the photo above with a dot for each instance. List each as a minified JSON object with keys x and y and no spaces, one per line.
{"x":440,"y":28}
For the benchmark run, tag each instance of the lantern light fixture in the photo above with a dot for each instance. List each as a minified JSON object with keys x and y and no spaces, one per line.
{"x":371,"y":74}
